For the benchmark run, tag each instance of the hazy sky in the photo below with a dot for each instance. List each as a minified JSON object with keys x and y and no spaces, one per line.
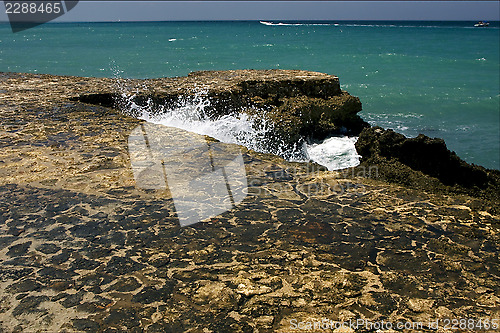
{"x":280,"y":10}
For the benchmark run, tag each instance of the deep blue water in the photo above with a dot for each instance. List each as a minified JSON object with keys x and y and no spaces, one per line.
{"x":436,"y":78}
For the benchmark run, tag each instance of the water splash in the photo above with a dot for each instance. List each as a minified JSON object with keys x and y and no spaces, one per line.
{"x":335,"y":153}
{"x":190,"y":113}
{"x":252,"y":130}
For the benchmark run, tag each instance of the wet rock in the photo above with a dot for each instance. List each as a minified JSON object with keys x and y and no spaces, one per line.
{"x":121,"y":265}
{"x":19,"y":249}
{"x":30,"y":304}
{"x":6,"y":241}
{"x":125,"y":284}
{"x":61,"y":285}
{"x":16,"y":231}
{"x":86,"y":325}
{"x":61,"y":258}
{"x":52,"y":273}
{"x":48,"y":248}
{"x":152,"y":294}
{"x":15,"y":274}
{"x":126,"y":317}
{"x":24,"y":286}
{"x":423,"y":162}
{"x":317,"y":118}
{"x":72,"y":300}
{"x":299,"y":105}
{"x":91,"y":228}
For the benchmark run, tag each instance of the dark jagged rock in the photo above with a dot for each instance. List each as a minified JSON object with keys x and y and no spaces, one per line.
{"x":98,"y":253}
{"x":421,"y":161}
{"x":311,"y":118}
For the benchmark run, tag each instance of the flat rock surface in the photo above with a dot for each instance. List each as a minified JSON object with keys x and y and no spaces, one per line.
{"x":83,"y":247}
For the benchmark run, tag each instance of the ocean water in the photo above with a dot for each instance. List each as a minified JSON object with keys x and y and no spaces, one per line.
{"x":436,"y":78}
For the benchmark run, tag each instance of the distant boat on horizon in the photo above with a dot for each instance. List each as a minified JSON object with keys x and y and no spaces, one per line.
{"x":481,"y":24}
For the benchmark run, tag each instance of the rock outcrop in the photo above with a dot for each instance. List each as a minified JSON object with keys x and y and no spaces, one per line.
{"x":83,"y":247}
{"x":298,"y":105}
{"x":425,"y":163}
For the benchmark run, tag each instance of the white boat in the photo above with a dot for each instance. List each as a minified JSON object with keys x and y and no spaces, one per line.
{"x":481,"y":24}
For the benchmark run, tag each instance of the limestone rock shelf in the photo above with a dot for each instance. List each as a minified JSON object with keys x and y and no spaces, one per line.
{"x":299,"y":105}
{"x":84,"y":248}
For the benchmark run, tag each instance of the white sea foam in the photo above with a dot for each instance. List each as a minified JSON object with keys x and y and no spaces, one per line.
{"x":239,"y":128}
{"x":335,"y":153}
{"x":371,"y":25}
{"x":243,"y":129}
{"x":296,"y":24}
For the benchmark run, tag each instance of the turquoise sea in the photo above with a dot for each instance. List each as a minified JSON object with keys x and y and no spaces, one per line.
{"x":436,"y":78}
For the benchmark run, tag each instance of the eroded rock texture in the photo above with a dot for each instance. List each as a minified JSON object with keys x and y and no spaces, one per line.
{"x":82,"y":248}
{"x":424,"y":163}
{"x":299,"y":105}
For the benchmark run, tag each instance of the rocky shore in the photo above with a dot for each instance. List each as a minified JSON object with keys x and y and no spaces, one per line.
{"x":297,"y":105}
{"x":427,"y":164}
{"x":409,"y":236}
